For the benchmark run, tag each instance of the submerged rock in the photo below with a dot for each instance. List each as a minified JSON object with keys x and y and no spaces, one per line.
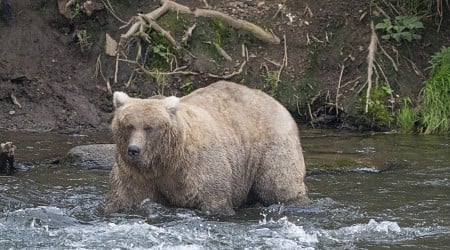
{"x":95,"y":156}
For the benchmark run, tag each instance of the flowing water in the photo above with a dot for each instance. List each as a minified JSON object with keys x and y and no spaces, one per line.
{"x":45,"y":205}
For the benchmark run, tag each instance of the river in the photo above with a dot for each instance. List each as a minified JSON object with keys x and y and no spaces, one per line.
{"x":407,"y":205}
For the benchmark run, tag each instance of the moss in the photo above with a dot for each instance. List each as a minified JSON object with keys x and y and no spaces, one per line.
{"x":70,"y":159}
{"x":176,"y":23}
{"x":210,"y":32}
{"x":221,"y":32}
{"x":348,"y":163}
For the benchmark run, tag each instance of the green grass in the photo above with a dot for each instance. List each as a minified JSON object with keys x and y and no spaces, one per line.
{"x":407,"y":118}
{"x":436,"y":95}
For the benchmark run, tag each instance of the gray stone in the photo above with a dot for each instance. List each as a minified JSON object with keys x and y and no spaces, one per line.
{"x":95,"y":156}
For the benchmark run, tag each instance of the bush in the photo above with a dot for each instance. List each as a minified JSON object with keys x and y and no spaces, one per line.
{"x":403,"y":28}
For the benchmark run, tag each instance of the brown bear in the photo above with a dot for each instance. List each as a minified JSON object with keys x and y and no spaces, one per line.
{"x":219,"y":148}
{"x":7,"y":158}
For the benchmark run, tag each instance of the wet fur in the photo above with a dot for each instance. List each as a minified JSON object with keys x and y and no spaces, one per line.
{"x":215,"y":150}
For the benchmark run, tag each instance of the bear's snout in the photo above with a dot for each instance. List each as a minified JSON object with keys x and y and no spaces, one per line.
{"x":133,"y":150}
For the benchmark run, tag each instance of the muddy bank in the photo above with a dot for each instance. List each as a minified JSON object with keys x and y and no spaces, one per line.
{"x":54,"y":72}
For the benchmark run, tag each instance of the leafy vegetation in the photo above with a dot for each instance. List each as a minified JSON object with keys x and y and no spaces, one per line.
{"x":379,"y":114}
{"x":403,"y":28}
{"x":423,"y":8}
{"x":271,"y":79}
{"x":84,"y":40}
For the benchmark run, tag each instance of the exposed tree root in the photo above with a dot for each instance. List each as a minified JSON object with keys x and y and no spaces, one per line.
{"x":142,"y":23}
{"x":257,"y":31}
{"x":370,"y":64}
{"x":337,"y":89}
{"x":231,"y":74}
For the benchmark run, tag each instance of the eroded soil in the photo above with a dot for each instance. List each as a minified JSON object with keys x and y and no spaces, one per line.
{"x":48,"y":82}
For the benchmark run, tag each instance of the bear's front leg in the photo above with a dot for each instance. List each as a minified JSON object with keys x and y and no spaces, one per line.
{"x":127,"y":189}
{"x":217,"y":205}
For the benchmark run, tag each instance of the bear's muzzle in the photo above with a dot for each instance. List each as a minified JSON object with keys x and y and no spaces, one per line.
{"x":133,"y":151}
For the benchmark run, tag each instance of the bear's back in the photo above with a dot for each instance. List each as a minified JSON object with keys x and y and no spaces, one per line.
{"x":250,"y":107}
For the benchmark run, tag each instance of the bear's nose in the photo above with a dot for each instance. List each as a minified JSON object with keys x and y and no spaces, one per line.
{"x":133,"y":150}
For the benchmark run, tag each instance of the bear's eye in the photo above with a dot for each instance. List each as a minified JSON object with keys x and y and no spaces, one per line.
{"x":148,"y":128}
{"x":130,"y":127}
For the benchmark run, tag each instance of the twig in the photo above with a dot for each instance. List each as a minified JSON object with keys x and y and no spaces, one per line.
{"x":154,"y":25}
{"x":350,"y":82}
{"x":382,"y":12}
{"x":222,"y":52}
{"x":284,"y":63}
{"x":337,"y":89}
{"x":109,"y":7}
{"x":15,"y":101}
{"x":316,"y":39}
{"x":414,"y":67}
{"x":206,"y":4}
{"x":385,"y":78}
{"x":370,"y":65}
{"x":310,"y":114}
{"x":116,"y":70}
{"x":257,"y":31}
{"x":281,"y":9}
{"x":285,"y":52}
{"x":130,"y":80}
{"x":243,"y":50}
{"x":176,"y":71}
{"x":273,"y":62}
{"x":98,"y":68}
{"x":188,"y":34}
{"x":308,"y":11}
{"x":388,"y":56}
{"x":246,"y":53}
{"x":69,"y":4}
{"x":232,"y":74}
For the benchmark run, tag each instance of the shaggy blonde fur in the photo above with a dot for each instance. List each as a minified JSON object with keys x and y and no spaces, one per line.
{"x":219,"y":148}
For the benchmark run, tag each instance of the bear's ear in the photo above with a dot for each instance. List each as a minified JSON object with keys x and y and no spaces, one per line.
{"x":119,"y":99}
{"x":172,"y":103}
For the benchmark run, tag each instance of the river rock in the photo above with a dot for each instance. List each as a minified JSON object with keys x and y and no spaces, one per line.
{"x":95,"y":156}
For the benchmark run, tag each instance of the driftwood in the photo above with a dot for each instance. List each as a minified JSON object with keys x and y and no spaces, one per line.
{"x":7,"y":158}
{"x":141,"y":23}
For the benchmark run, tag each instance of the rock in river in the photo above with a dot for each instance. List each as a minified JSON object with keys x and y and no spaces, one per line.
{"x":95,"y":156}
